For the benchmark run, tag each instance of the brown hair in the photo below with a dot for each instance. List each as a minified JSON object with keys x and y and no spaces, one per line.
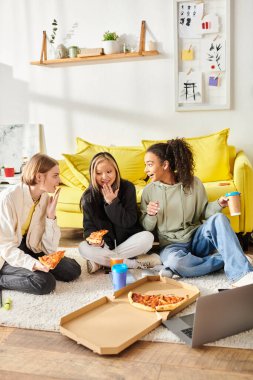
{"x":39,"y":163}
{"x":96,"y":160}
{"x":180,"y":157}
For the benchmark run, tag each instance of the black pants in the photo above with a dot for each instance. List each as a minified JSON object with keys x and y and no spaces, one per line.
{"x":37,"y":282}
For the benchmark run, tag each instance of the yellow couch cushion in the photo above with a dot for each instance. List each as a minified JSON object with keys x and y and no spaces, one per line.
{"x":69,"y":199}
{"x":130,"y":159}
{"x":211,"y":154}
{"x":79,"y":166}
{"x":67,"y":177}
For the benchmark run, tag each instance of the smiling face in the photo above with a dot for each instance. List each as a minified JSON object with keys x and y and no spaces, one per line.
{"x":48,"y":182}
{"x":155,"y":169}
{"x":105,"y":173}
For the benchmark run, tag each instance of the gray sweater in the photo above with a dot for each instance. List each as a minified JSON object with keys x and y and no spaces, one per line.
{"x":181,"y":211}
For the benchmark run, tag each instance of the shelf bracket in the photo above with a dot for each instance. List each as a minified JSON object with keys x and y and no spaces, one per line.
{"x":142,"y":37}
{"x":43,"y":55}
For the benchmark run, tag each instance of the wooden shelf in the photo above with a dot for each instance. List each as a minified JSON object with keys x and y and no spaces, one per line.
{"x":103,"y":57}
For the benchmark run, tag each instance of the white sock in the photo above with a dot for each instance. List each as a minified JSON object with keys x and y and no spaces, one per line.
{"x":132,"y":264}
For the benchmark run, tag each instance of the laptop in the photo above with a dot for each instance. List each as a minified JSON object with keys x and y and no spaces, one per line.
{"x":216,"y":316}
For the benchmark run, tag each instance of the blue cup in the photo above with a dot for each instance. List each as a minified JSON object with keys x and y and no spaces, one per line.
{"x":119,"y":273}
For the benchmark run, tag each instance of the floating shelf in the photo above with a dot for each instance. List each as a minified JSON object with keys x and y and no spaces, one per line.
{"x":103,"y":57}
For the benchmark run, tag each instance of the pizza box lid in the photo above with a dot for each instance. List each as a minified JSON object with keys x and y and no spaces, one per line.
{"x":110,"y":324}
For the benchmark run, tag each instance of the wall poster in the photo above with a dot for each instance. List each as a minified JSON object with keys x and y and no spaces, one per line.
{"x":202,"y":54}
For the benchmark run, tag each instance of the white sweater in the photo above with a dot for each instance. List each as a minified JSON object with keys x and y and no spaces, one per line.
{"x":43,"y":234}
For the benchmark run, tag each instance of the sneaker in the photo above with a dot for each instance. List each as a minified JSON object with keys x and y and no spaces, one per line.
{"x":148,"y":261}
{"x":166,"y":273}
{"x":245,"y":280}
{"x":92,"y":267}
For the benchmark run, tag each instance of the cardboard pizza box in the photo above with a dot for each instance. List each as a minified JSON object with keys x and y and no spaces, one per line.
{"x":110,"y":324}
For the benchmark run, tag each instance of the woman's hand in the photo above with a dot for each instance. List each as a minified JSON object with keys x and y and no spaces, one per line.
{"x":98,"y":245}
{"x":223,"y":201}
{"x":108,"y":193}
{"x":153,"y":208}
{"x":39,"y":266}
{"x":52,"y":202}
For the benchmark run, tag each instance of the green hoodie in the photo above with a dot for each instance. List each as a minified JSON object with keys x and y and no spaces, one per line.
{"x":181,"y":211}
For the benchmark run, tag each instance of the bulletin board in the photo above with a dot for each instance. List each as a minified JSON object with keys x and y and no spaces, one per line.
{"x":202,"y":55}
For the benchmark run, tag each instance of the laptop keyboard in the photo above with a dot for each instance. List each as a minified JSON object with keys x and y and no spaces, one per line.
{"x":188,"y":332}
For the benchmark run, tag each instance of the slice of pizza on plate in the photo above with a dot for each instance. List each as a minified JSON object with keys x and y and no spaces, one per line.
{"x":155,"y":302}
{"x":52,"y":260}
{"x":96,"y":237}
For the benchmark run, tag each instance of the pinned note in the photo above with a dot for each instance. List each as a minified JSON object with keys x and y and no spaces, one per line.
{"x":187,"y":55}
{"x":214,"y":81}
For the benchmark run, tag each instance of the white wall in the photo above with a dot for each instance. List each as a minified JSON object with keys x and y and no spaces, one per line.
{"x":115,"y":102}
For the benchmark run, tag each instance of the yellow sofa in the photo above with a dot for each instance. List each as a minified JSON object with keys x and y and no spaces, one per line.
{"x":217,"y":164}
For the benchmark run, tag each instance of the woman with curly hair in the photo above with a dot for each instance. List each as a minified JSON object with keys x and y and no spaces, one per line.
{"x":190,"y":229}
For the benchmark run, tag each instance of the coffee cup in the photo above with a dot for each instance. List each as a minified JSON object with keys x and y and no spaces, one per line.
{"x":115,"y":260}
{"x":9,"y":172}
{"x":234,"y":203}
{"x":119,"y":273}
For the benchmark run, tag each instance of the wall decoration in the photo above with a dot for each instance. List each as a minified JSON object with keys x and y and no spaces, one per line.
{"x":187,"y":55}
{"x":214,"y":81}
{"x":18,"y":141}
{"x":190,"y":87}
{"x":202,"y":54}
{"x":209,"y":24}
{"x":213,"y":54}
{"x":190,"y":15}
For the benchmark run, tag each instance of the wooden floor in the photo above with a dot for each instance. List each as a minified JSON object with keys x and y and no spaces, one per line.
{"x":29,"y":354}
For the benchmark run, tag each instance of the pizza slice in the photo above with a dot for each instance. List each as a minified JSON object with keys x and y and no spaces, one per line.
{"x":96,"y":237}
{"x":52,"y":260}
{"x":155,"y":302}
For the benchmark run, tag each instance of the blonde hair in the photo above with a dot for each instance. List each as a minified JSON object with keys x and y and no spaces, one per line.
{"x":96,"y":160}
{"x":39,"y":163}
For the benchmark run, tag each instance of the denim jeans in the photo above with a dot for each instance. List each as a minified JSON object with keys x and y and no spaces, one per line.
{"x":193,"y":258}
{"x":37,"y":282}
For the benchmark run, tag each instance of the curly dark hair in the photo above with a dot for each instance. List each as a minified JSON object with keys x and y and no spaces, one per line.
{"x":180,"y":157}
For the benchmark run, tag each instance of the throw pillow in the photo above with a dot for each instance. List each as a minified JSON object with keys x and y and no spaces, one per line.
{"x":211,"y":154}
{"x":67,"y":177}
{"x":79,"y":166}
{"x":130,"y":159}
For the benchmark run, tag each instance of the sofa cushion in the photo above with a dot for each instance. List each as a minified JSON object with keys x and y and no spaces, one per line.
{"x":79,"y":166}
{"x":67,"y":177}
{"x":130,"y":159}
{"x":211,"y":155}
{"x":69,"y":199}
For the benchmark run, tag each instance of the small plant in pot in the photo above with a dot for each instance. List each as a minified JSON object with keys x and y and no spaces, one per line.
{"x":110,"y":43}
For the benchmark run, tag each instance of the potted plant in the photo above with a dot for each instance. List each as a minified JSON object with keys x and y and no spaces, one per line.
{"x":110,"y":43}
{"x":52,"y":50}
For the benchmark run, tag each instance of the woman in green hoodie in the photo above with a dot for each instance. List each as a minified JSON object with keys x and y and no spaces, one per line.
{"x":195,"y":237}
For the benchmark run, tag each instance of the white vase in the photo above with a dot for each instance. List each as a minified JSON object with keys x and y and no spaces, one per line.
{"x":111,"y":47}
{"x":52,"y":52}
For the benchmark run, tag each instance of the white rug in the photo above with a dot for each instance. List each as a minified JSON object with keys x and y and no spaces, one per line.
{"x":44,"y":312}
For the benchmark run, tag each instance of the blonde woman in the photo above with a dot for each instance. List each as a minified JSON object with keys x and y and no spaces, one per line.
{"x":110,"y":203}
{"x":28,"y":229}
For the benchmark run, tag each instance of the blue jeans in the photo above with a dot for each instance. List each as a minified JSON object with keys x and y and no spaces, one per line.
{"x":193,"y":258}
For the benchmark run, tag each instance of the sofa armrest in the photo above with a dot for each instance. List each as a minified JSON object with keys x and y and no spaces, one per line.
{"x":243,"y":180}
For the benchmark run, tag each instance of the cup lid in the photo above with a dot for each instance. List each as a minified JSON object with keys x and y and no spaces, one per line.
{"x":232,"y":193}
{"x":120,"y":268}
